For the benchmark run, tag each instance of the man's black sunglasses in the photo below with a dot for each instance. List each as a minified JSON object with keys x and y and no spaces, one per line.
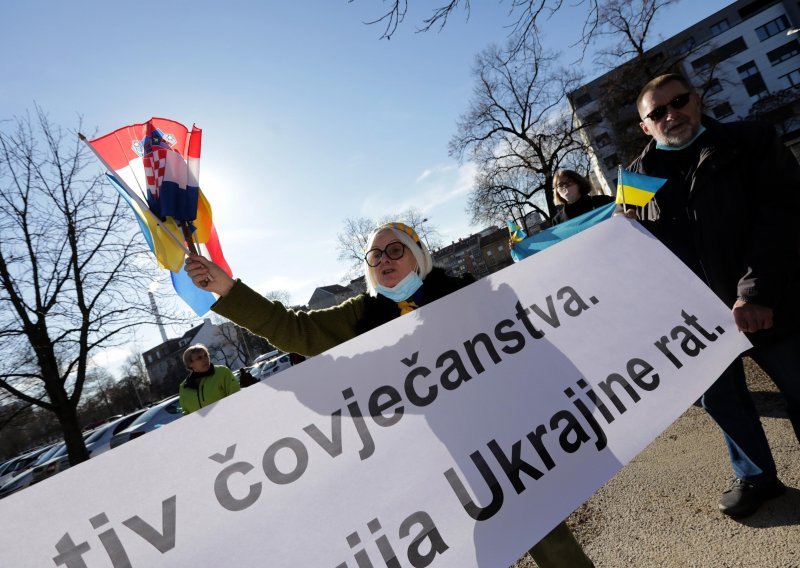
{"x":661,"y":111}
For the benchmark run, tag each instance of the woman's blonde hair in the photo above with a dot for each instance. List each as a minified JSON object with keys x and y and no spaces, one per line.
{"x":187,"y":355}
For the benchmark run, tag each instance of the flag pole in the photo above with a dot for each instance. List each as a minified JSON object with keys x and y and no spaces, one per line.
{"x":621,"y":187}
{"x":135,"y":197}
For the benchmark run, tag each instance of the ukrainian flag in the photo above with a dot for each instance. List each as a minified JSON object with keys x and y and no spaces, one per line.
{"x":636,"y":189}
{"x":167,"y":250}
{"x":554,"y":235}
{"x":517,"y":232}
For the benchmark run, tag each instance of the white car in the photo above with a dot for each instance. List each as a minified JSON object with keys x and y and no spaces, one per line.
{"x":273,"y":366}
{"x":266,"y":357}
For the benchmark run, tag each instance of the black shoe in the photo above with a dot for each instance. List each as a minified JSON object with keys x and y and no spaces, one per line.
{"x":744,"y":498}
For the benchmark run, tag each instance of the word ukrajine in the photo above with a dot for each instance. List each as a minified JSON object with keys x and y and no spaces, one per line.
{"x":570,"y":429}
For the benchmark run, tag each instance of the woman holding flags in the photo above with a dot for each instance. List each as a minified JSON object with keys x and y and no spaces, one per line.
{"x":400,"y":278}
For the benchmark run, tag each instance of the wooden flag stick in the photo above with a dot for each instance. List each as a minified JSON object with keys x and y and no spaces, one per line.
{"x":621,"y":187}
{"x":187,"y":235}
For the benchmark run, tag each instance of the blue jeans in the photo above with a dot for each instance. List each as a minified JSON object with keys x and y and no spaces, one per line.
{"x":729,"y":403}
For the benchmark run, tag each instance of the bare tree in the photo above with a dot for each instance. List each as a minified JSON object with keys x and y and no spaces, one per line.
{"x":69,"y":282}
{"x":352,"y":242}
{"x":628,"y":24}
{"x":135,"y":378}
{"x":424,"y":228}
{"x":525,"y":16}
{"x":101,"y":383}
{"x":503,"y":195}
{"x":517,"y":131}
{"x":282,"y":296}
{"x":232,"y":336}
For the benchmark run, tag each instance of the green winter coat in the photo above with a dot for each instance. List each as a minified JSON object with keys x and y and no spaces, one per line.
{"x":199,"y":390}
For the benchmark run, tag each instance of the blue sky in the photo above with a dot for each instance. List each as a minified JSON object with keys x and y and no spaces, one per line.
{"x":308,"y":117}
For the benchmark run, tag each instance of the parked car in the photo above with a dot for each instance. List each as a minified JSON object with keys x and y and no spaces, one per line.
{"x":259,"y":371}
{"x":20,"y":463}
{"x":57,"y":461}
{"x":97,"y":441}
{"x":100,"y":439}
{"x":24,"y":477}
{"x":154,"y":417}
{"x":275,"y":365}
{"x":7,"y":469}
{"x":266,"y":357}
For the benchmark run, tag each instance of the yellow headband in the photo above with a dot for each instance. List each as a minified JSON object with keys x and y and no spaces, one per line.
{"x":404,"y":228}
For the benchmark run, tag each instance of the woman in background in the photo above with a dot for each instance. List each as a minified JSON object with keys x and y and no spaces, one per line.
{"x":571,"y":193}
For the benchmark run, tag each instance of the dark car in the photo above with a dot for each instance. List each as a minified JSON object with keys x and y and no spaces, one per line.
{"x":100,"y":440}
{"x":97,"y":441}
{"x":20,"y":463}
{"x":24,"y":475}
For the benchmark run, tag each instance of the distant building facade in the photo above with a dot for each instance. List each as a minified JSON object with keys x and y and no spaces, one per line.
{"x":328,"y":296}
{"x":462,"y":256}
{"x":479,"y":254}
{"x":743,"y":58}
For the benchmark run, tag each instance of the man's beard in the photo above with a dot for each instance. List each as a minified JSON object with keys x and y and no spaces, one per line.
{"x":679,"y":134}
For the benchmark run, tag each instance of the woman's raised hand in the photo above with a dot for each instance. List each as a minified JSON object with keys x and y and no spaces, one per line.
{"x":207,"y":275}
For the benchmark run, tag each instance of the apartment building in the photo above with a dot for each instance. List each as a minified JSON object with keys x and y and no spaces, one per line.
{"x":744,"y":59}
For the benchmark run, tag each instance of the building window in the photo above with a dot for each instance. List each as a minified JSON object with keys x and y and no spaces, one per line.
{"x":720,"y":54}
{"x":784,"y":52}
{"x":611,"y":161}
{"x":685,"y":46}
{"x":602,"y":140}
{"x":751,"y":78}
{"x":714,"y":87}
{"x":582,"y":100}
{"x":791,"y":79}
{"x":501,"y":248}
{"x":769,"y":29}
{"x":723,"y":110}
{"x":149,"y":358}
{"x":594,"y":118}
{"x":719,"y":27}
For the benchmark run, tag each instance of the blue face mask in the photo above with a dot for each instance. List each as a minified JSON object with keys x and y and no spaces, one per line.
{"x":403,"y":289}
{"x":661,"y":146}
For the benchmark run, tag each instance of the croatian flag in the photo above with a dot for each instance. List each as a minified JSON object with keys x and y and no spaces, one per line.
{"x":161,"y":159}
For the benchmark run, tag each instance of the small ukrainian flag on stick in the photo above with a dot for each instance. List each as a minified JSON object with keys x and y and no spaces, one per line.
{"x":636,"y":189}
{"x":517,"y":233}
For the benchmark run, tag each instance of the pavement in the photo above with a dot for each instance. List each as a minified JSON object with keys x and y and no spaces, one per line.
{"x":660,"y":510}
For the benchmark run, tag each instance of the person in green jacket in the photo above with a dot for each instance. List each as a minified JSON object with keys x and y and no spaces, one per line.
{"x":400,"y":277}
{"x":206,"y":383}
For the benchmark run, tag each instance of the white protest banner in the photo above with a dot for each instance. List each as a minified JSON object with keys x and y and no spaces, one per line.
{"x":454,"y":436}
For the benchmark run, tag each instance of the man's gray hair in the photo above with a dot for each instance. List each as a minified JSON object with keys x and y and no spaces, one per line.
{"x":659,"y":82}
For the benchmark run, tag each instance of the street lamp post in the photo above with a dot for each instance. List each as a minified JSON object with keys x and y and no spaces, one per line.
{"x":425,"y":235}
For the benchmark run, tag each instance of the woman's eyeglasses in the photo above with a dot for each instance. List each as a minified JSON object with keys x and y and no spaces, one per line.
{"x":394,"y":251}
{"x":661,"y":111}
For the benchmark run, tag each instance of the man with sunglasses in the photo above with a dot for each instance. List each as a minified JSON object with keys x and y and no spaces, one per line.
{"x":729,"y":210}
